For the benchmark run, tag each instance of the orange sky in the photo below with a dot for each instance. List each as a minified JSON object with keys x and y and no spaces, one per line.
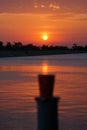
{"x":26,"y":21}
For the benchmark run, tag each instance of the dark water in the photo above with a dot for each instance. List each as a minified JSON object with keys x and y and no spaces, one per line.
{"x":19,"y":87}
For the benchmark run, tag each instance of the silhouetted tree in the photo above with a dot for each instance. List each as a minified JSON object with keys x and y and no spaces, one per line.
{"x":8,"y":45}
{"x":85,"y":47}
{"x":31,"y":47}
{"x":77,"y":47}
{"x":1,"y":44}
{"x":74,"y":46}
{"x":18,"y":44}
{"x":44,"y":47}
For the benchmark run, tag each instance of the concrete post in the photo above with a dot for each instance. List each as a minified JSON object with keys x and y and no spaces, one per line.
{"x":47,"y":104}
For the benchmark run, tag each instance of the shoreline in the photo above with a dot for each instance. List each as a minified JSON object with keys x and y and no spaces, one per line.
{"x":5,"y":54}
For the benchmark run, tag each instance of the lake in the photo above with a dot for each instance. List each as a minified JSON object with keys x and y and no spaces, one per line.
{"x":19,"y":87}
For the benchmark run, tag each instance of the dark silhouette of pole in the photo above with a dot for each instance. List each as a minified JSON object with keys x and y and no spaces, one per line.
{"x":47,"y":104}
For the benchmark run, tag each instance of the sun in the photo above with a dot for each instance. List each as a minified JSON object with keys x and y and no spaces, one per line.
{"x":45,"y":37}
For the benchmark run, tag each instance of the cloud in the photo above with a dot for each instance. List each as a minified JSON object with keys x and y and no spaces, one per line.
{"x":54,"y":6}
{"x":28,"y":6}
{"x":56,"y":10}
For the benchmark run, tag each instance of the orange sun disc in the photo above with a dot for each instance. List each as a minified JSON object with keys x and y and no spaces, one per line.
{"x":45,"y":37}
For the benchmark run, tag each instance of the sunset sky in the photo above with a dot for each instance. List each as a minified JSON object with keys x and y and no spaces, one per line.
{"x":63,"y":21}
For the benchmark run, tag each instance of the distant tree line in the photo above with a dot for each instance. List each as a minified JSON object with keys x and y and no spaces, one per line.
{"x":22,"y":47}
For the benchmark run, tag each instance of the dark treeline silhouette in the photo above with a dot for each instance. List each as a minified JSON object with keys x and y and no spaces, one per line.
{"x":19,"y":49}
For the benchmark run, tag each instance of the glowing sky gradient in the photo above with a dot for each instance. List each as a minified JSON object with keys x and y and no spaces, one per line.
{"x":65,"y":21}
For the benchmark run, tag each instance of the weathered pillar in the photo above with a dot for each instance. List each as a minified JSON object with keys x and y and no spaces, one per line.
{"x":47,"y":115}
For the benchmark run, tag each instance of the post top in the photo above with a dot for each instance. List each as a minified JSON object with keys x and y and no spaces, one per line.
{"x":46,"y":85}
{"x":46,"y":75}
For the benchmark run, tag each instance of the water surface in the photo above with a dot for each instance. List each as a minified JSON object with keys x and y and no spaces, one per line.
{"x":19,"y":87}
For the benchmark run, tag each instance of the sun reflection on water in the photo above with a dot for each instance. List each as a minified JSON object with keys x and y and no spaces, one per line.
{"x":45,"y":68}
